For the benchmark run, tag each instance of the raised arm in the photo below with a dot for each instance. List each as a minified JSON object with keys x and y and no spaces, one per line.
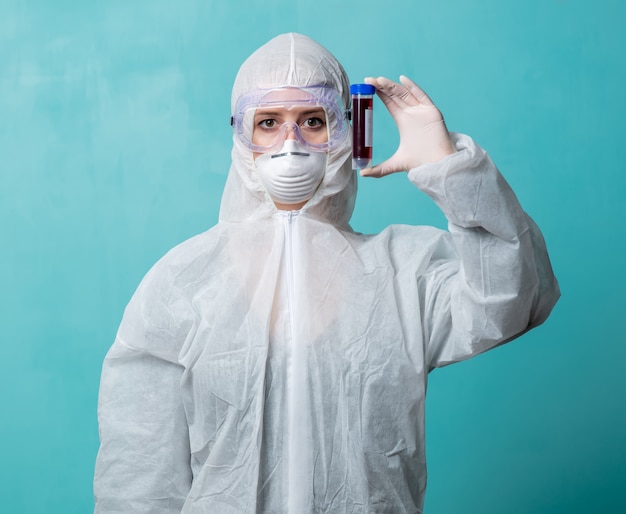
{"x":501,"y":284}
{"x":495,"y":280}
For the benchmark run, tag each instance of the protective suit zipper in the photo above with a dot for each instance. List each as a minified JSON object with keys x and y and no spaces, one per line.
{"x":298,"y":446}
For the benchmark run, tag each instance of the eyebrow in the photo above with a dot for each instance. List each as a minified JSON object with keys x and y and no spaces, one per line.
{"x":314,"y":111}
{"x":275,"y":112}
{"x":265,"y":112}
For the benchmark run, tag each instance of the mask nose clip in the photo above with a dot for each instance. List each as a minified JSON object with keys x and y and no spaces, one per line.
{"x":291,"y":147}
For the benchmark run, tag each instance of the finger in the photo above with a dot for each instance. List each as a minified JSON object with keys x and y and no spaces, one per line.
{"x":386,"y":88}
{"x":415,"y":90}
{"x":397,"y":93}
{"x":373,"y":172}
{"x":380,"y":170}
{"x":392,"y":92}
{"x":389,"y":101}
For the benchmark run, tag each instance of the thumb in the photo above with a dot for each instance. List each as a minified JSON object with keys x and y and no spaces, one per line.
{"x":391,"y":165}
{"x":380,"y":170}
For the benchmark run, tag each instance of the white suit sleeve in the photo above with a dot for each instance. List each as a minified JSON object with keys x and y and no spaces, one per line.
{"x":144,"y":460}
{"x":502,"y":282}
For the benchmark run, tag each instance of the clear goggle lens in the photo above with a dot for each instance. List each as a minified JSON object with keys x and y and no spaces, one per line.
{"x":264,"y":118}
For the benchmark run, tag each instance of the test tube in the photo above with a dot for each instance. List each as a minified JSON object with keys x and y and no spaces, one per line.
{"x":362,"y":118}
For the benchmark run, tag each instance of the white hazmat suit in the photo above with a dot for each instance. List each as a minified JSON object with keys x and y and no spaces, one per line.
{"x":278,"y":362}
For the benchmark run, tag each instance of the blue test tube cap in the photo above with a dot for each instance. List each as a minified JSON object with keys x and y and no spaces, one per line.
{"x":362,"y":89}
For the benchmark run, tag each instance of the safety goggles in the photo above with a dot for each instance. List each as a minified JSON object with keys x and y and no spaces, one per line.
{"x":264,"y":118}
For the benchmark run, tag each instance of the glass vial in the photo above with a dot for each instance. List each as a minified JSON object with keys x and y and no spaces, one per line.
{"x":362,"y":118}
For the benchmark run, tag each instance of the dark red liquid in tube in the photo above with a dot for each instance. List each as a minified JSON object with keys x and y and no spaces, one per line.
{"x":362,"y":117}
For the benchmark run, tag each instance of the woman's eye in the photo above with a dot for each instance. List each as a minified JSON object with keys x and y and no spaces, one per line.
{"x":314,"y":123}
{"x":268,"y":123}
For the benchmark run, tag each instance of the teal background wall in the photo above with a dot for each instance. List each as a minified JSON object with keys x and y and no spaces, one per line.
{"x":114,"y":147}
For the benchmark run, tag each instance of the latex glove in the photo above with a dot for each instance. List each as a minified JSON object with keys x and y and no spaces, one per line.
{"x":423,"y":134}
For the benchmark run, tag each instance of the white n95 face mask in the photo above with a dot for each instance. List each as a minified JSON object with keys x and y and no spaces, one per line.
{"x":292,"y":174}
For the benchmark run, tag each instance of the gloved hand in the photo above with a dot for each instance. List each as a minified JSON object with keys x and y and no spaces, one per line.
{"x":423,"y":134}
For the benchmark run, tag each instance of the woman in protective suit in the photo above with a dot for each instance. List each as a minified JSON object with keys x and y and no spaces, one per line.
{"x":278,"y":362}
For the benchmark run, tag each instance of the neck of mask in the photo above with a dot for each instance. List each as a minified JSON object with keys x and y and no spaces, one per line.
{"x":292,"y":174}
